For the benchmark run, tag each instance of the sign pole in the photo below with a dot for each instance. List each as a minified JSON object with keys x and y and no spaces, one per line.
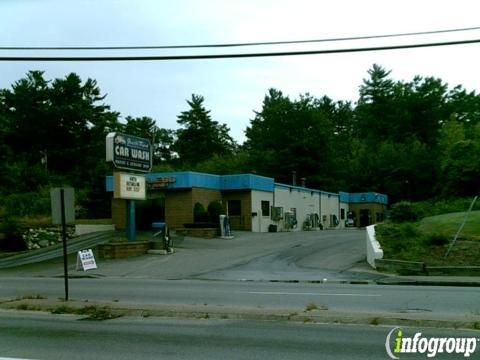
{"x":64,"y":240}
{"x":131,"y":220}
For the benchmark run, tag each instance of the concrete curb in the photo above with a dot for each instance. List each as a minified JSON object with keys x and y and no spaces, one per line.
{"x":374,"y":250}
{"x":116,"y":309}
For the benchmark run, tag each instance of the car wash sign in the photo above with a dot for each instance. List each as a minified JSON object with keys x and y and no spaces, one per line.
{"x":129,"y":152}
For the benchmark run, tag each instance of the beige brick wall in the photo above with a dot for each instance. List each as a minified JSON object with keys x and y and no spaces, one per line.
{"x":178,"y":208}
{"x":179,"y":204}
{"x":373,"y":207}
{"x":205,"y":196}
{"x":119,"y":213}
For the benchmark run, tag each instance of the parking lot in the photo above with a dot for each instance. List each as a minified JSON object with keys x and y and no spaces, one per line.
{"x":290,"y":256}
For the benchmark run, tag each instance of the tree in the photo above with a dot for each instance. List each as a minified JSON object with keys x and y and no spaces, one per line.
{"x":375,"y":106}
{"x":53,"y":132}
{"x":201,"y":137}
{"x":459,"y":164}
{"x":299,"y":136}
{"x":144,"y":127}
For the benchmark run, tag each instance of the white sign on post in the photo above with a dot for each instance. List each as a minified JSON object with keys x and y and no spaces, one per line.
{"x":129,"y":186}
{"x":86,"y":260}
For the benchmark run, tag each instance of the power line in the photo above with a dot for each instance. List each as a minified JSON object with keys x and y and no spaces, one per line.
{"x":151,"y":47}
{"x":232,"y":56}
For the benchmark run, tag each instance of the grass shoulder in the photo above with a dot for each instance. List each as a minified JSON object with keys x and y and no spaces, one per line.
{"x":428,"y":239}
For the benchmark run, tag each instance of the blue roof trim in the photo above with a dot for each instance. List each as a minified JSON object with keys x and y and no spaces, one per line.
{"x":246,"y":181}
{"x":344,"y":197}
{"x":189,"y":179}
{"x":367,"y":197}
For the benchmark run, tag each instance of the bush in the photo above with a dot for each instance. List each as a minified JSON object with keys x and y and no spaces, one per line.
{"x":199,"y":213}
{"x":26,"y":204}
{"x":404,"y":211}
{"x":12,"y":240}
{"x":408,"y":231}
{"x":436,"y":239}
{"x":215,"y":209}
{"x":396,"y":239}
{"x":444,"y":206}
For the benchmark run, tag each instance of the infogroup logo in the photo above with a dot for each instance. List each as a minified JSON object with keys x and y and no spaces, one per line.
{"x":432,"y":346}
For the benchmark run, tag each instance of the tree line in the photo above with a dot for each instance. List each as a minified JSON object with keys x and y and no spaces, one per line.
{"x":412,"y":140}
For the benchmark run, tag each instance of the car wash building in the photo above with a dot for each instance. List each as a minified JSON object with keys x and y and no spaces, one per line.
{"x":252,"y":202}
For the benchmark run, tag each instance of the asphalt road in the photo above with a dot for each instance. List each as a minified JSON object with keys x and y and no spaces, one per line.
{"x":458,"y":301}
{"x":37,"y":336}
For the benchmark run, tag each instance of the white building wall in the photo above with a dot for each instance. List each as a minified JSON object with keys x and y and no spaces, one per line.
{"x":343,"y":206}
{"x":303,"y":201}
{"x":330,"y":205}
{"x":260,"y":223}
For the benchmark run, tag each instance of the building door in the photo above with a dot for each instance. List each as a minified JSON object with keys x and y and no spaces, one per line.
{"x":149,"y":211}
{"x":364,"y":218}
{"x":234,"y":211}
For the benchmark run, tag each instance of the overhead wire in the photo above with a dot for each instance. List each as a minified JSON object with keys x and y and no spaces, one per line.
{"x":244,"y":44}
{"x":237,"y":55}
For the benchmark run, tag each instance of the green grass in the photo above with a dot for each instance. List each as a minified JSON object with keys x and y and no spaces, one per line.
{"x":92,"y":312}
{"x":448,"y":225}
{"x":428,"y":240}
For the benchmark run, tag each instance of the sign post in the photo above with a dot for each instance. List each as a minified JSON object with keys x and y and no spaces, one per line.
{"x":129,"y":187}
{"x":135,"y":154}
{"x":63,"y":211}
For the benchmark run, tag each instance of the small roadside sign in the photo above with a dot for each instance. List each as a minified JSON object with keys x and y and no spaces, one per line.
{"x":86,"y":260}
{"x":68,"y":205}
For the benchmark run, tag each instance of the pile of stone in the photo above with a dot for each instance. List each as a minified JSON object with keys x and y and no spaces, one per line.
{"x":44,"y":237}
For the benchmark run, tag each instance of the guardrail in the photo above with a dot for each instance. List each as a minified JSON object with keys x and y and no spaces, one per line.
{"x":73,"y":245}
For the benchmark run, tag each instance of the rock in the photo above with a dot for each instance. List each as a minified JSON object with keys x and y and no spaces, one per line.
{"x":43,"y":243}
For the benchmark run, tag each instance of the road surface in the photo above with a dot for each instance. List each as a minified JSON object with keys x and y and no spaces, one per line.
{"x":36,"y":336}
{"x":461,"y":301}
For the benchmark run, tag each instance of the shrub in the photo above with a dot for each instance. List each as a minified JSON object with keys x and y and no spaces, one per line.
{"x":403,"y":211}
{"x":215,"y":209}
{"x":26,"y":204}
{"x":436,"y":239}
{"x":444,"y":206}
{"x":396,"y":239}
{"x":12,"y":240}
{"x":199,"y":213}
{"x":408,"y":231}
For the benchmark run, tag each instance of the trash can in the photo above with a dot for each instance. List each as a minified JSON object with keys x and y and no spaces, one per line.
{"x":272,"y":228}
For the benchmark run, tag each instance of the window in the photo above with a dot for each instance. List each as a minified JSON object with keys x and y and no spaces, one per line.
{"x":234,"y":208}
{"x":342,"y":214}
{"x":294,"y":212}
{"x":265,"y":208}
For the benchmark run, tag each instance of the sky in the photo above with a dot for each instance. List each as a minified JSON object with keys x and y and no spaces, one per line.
{"x":235,"y":88}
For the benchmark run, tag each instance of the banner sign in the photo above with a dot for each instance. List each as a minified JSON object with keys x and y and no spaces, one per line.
{"x":86,"y":260}
{"x":129,"y":186}
{"x":129,"y":152}
{"x":160,"y":182}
